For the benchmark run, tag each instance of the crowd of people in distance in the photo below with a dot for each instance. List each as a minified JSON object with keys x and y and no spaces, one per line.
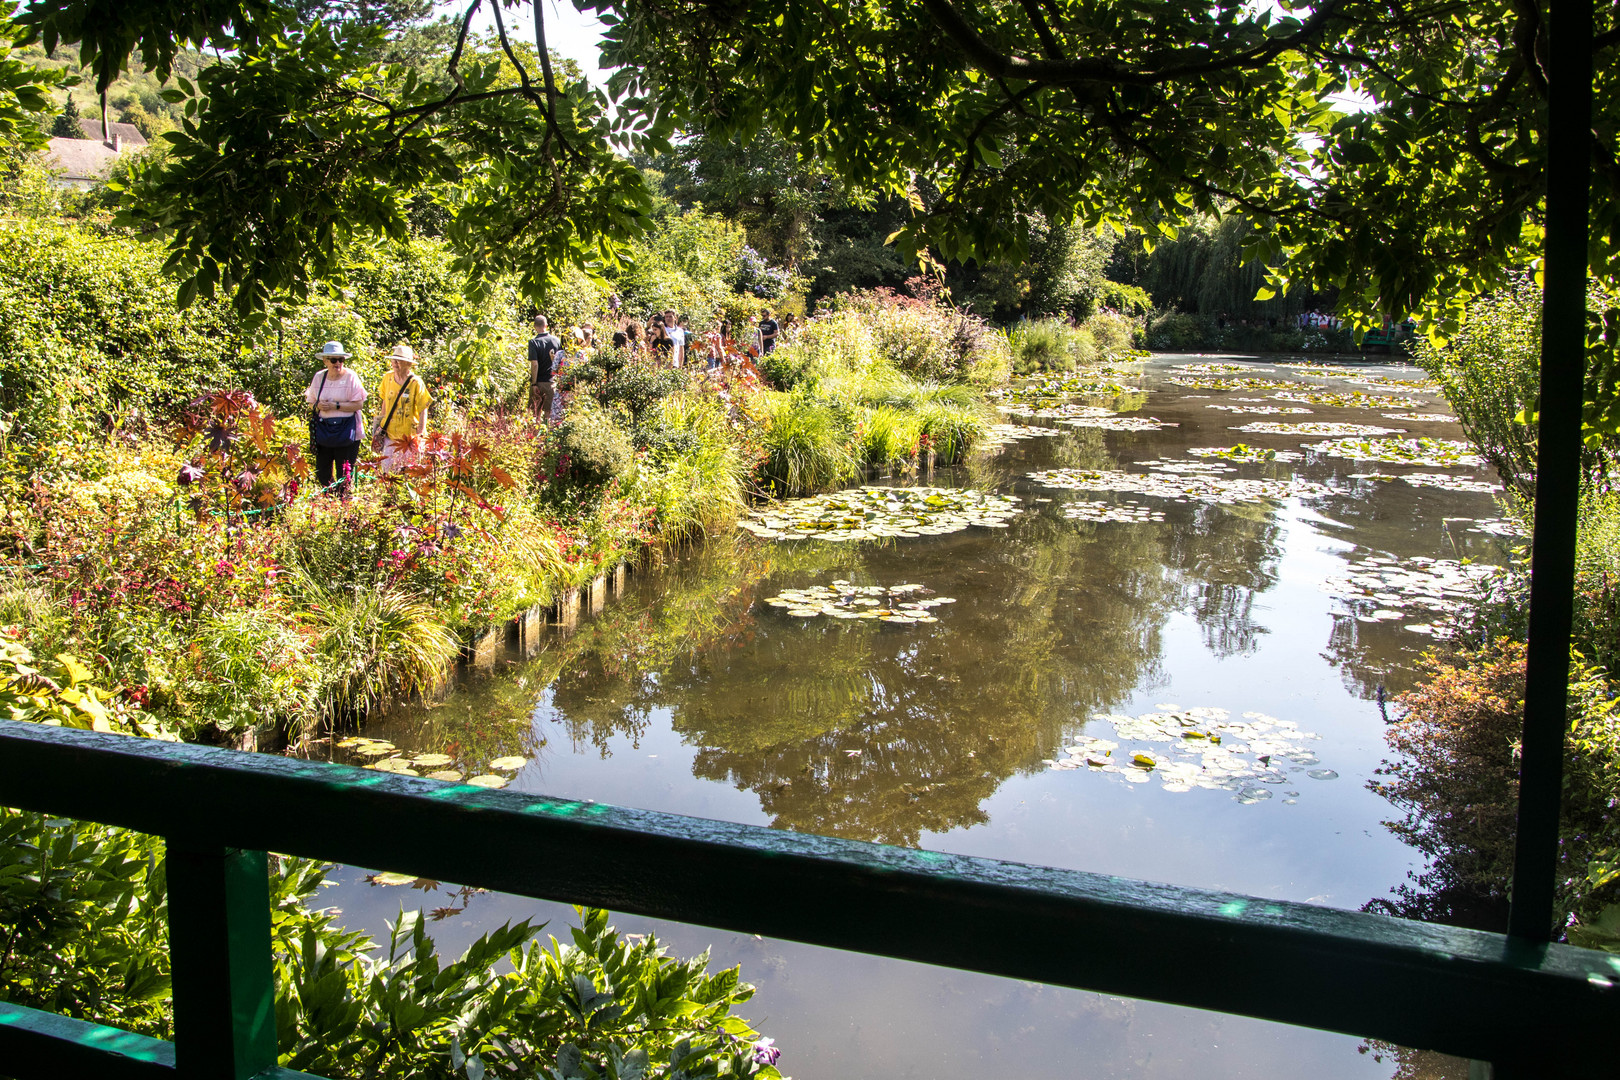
{"x":336,"y":396}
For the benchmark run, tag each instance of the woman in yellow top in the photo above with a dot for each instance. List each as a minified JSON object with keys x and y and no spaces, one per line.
{"x":404,"y":409}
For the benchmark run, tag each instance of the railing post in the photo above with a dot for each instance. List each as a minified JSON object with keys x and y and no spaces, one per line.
{"x":219,"y":945}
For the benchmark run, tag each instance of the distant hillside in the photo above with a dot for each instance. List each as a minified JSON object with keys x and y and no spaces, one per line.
{"x":133,"y":99}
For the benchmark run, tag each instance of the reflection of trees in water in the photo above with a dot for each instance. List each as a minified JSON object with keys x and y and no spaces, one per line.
{"x":1225,"y":556}
{"x":884,"y":733}
{"x":1373,"y":658}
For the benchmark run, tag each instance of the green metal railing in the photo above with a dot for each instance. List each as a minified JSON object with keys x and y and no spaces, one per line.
{"x":1531,"y":1008}
{"x":1480,"y":995}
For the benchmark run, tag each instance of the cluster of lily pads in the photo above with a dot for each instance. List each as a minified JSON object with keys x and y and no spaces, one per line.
{"x":875,"y":512}
{"x":1199,"y":382}
{"x":1245,"y":453}
{"x":1000,"y":435}
{"x":1199,"y":748}
{"x":1060,"y":411}
{"x":1318,"y":427}
{"x":1383,"y":589}
{"x":1263,"y":410}
{"x":1211,"y":369}
{"x":1127,"y":510}
{"x":1437,"y":417}
{"x":1436,"y":453}
{"x":1053,"y":389}
{"x":1119,"y":423}
{"x":1182,"y":484}
{"x":1447,"y":482}
{"x":386,"y":757}
{"x":846,"y":600}
{"x":1356,"y":399}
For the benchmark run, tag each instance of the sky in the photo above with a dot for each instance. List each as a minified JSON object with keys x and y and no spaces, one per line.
{"x":568,"y":32}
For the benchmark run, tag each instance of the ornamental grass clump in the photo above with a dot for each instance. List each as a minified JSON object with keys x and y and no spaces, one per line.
{"x":809,"y":443}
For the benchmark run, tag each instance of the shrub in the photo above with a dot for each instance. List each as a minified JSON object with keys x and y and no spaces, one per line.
{"x":694,"y":473}
{"x":1041,"y":345}
{"x":1456,"y":778}
{"x":1490,"y":372}
{"x":84,"y":908}
{"x":1175,"y":332}
{"x":596,"y":446}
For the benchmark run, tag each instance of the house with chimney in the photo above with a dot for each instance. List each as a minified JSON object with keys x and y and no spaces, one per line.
{"x":81,"y":163}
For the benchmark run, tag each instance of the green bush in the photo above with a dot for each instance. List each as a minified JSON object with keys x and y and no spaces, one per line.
{"x":597,"y":447}
{"x":1041,"y":345}
{"x":84,"y":910}
{"x":694,"y":474}
{"x":1490,"y":372}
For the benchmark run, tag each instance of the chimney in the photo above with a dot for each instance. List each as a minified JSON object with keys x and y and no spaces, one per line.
{"x":117,"y":139}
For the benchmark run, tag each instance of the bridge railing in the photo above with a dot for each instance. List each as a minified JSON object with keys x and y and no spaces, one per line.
{"x":1479,"y":995}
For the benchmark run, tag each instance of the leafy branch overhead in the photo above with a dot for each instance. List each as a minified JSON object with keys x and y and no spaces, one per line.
{"x":991,"y":121}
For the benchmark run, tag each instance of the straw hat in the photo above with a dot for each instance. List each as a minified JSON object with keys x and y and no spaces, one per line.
{"x":403,"y":353}
{"x":334,"y":349}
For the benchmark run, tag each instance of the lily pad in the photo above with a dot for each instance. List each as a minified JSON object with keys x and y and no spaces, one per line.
{"x":1322,"y":774}
{"x":1267,"y":427}
{"x":1245,"y":453}
{"x":391,"y":878}
{"x":1262,"y":410}
{"x":489,"y":781}
{"x":432,"y":761}
{"x":1197,"y":748}
{"x":1437,"y":417}
{"x":907,"y":602}
{"x":1188,"y":486}
{"x":1200,"y":382}
{"x":509,"y":764}
{"x":1440,"y":453}
{"x":1119,"y":423}
{"x":868,"y":512}
{"x":1108,"y":511}
{"x":445,"y":774}
{"x":1446,"y":482}
{"x":1355,"y":399}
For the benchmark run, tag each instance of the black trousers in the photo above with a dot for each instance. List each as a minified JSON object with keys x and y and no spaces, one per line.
{"x":329,"y":462}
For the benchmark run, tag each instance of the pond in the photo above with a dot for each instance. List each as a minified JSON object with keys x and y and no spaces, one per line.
{"x":1153,"y":633}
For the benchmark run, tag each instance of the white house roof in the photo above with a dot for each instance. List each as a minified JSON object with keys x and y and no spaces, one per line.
{"x":81,"y":159}
{"x":128,"y":134}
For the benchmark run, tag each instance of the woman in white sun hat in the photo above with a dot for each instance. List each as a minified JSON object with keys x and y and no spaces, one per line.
{"x":404,"y":405}
{"x":334,"y":397}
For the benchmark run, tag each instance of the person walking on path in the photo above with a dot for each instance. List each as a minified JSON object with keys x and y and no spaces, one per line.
{"x":334,"y":397}
{"x":543,"y":350}
{"x":767,"y":332}
{"x":405,"y":400}
{"x":677,"y":334}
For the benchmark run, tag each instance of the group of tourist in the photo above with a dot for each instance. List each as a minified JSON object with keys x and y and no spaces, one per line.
{"x":336,"y":394}
{"x":337,"y":426}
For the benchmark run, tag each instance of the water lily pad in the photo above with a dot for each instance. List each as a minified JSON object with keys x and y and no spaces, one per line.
{"x":1211,"y":369}
{"x":1262,"y":410}
{"x":1355,"y":399}
{"x":1322,"y":774}
{"x":375,"y":749}
{"x":1001,"y":435}
{"x":1446,"y":482}
{"x":1421,"y":417}
{"x":1440,"y":453}
{"x":1245,"y":453}
{"x":432,"y":761}
{"x":1201,"y":382}
{"x":1270,"y":427}
{"x":1119,"y":423}
{"x":1190,"y":486}
{"x":391,"y":878}
{"x":445,"y":774}
{"x":509,"y":764}
{"x":845,"y":600}
{"x":489,"y":781}
{"x":863,"y":513}
{"x":1107,"y":511}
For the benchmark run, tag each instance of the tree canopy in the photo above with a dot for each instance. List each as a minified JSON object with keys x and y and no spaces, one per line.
{"x":993,"y":125}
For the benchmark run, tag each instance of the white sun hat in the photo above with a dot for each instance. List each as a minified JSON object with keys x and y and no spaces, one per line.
{"x":403,"y":352}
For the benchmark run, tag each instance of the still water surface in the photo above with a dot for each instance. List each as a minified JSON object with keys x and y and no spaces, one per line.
{"x":692,"y":695}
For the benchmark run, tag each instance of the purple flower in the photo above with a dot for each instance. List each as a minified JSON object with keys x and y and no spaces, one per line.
{"x":765,"y":1052}
{"x":189,"y":474}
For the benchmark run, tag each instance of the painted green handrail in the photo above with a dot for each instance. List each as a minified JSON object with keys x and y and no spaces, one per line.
{"x":1465,"y":992}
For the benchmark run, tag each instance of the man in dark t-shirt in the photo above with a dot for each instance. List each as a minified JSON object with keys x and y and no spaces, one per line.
{"x":767,"y":333}
{"x":543,"y":350}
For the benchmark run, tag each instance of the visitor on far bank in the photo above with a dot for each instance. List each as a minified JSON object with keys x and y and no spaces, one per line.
{"x":405,"y":400}
{"x":543,"y":350}
{"x":677,"y":334}
{"x":659,"y":342}
{"x":334,"y":397}
{"x":768,"y":330}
